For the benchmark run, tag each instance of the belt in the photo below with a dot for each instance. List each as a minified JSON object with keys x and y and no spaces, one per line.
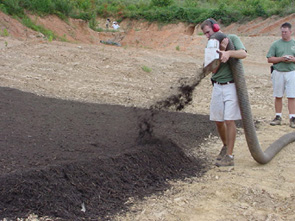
{"x":229,"y":82}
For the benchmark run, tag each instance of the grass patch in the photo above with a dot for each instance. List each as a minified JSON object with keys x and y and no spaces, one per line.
{"x":146,"y":69}
{"x":4,"y":32}
{"x":47,"y":33}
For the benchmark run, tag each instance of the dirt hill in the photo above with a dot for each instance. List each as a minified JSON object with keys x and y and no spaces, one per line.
{"x":137,"y":33}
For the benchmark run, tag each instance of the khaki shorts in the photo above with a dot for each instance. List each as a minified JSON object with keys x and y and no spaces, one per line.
{"x":224,"y":103}
{"x":283,"y":82}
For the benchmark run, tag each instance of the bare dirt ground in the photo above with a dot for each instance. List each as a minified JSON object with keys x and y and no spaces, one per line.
{"x":87,"y":71}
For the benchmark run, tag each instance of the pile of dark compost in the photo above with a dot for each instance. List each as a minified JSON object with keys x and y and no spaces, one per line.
{"x":76,"y":160}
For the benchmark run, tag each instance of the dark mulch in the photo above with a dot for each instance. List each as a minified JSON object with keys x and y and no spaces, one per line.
{"x":57,"y":155}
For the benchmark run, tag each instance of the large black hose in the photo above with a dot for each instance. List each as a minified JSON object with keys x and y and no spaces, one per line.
{"x":249,"y":128}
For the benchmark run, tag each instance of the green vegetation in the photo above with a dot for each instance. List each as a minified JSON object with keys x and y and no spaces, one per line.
{"x":164,"y":11}
{"x":146,"y":69}
{"x":4,"y":33}
{"x":30,"y":24}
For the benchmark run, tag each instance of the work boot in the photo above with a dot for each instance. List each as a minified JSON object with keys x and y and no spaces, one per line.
{"x":222,"y":153}
{"x":225,"y":161}
{"x":276,"y":121}
{"x":292,"y":122}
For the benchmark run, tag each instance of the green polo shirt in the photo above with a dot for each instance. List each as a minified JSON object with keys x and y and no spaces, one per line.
{"x":280,"y":48}
{"x":224,"y":73}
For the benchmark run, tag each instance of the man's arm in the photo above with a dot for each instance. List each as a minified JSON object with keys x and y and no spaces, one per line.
{"x":276,"y":60}
{"x":225,"y":55}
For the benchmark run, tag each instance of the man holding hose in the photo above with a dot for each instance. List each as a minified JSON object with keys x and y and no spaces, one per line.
{"x":224,"y":107}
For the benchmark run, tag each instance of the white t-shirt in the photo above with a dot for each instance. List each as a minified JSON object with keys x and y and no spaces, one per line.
{"x":115,"y":26}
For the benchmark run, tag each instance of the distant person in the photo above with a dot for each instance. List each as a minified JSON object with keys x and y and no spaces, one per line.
{"x":281,"y":54}
{"x":115,"y":25}
{"x":224,"y":107}
{"x":108,"y":23}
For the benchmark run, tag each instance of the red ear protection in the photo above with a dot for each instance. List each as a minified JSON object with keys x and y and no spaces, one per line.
{"x":215,"y":26}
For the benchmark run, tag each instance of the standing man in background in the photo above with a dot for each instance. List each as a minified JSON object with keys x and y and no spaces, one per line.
{"x":281,"y":54}
{"x":224,"y":107}
{"x":108,"y":23}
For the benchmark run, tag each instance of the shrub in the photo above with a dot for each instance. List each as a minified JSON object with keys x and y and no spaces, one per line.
{"x":40,"y":7}
{"x":161,"y":3}
{"x":13,"y":7}
{"x":64,"y":7}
